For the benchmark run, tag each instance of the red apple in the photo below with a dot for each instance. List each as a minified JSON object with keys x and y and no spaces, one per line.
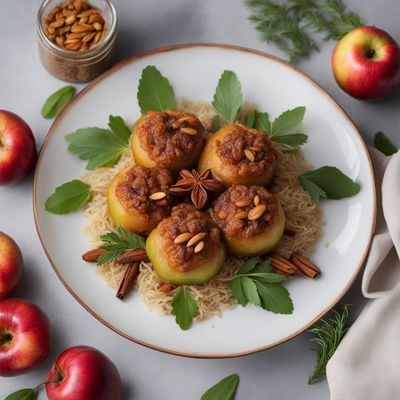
{"x":11,"y":264}
{"x":17,"y":148}
{"x":83,"y":373}
{"x":24,"y":336}
{"x":366,"y":63}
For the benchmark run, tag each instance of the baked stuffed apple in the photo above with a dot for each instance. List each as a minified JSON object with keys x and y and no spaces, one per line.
{"x":138,"y":198}
{"x":170,"y":139}
{"x":251,"y":219}
{"x":187,"y":247}
{"x":239,"y":156}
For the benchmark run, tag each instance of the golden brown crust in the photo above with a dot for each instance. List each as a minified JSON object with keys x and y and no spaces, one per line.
{"x":234,"y":213}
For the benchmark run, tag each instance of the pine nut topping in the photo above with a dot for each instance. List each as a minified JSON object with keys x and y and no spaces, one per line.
{"x":183,"y":238}
{"x":157,"y":196}
{"x":196,"y":238}
{"x":199,"y":247}
{"x":241,"y":215}
{"x":243,"y":202}
{"x":256,"y":212}
{"x":189,"y":131}
{"x":249,"y":155}
{"x":256,"y":200}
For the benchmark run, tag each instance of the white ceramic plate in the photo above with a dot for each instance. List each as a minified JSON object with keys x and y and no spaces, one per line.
{"x":274,"y":86}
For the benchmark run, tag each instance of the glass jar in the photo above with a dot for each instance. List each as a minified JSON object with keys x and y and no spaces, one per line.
{"x":78,"y":66}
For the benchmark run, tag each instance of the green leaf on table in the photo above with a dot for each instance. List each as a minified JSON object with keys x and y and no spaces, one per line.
{"x":57,"y":101}
{"x":255,"y":284}
{"x":328,"y":182}
{"x":223,"y":390}
{"x":155,"y":92}
{"x":327,"y":335}
{"x":69,"y":197}
{"x":184,"y":307}
{"x":117,"y":243}
{"x":383,"y":144}
{"x":228,"y":96}
{"x":23,"y":394}
{"x":102,"y":147}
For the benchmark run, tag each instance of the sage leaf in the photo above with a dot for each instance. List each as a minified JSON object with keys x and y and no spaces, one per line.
{"x":228,"y":96}
{"x":69,"y":197}
{"x":250,"y":119}
{"x":184,"y":307}
{"x":155,"y":92}
{"x":262,"y":122}
{"x":383,"y":144}
{"x":23,"y":394}
{"x":57,"y":101}
{"x":223,"y":390}
{"x":288,"y":122}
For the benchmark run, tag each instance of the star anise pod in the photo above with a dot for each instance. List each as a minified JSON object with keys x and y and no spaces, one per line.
{"x":197,"y":185}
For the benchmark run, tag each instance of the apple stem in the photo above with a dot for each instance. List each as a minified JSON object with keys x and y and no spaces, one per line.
{"x":39,"y":387}
{"x":5,"y":338}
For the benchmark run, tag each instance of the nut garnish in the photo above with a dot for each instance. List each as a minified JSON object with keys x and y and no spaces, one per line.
{"x":243,"y":202}
{"x":93,"y":255}
{"x":305,"y":266}
{"x":189,"y":131}
{"x":167,"y":287}
{"x":199,"y":247}
{"x":256,"y":212}
{"x":256,"y":200}
{"x":196,"y":238}
{"x":241,"y":215}
{"x":249,"y":155}
{"x":283,"y":265}
{"x":131,"y":256}
{"x":74,"y":25}
{"x":157,"y":196}
{"x":183,"y":238}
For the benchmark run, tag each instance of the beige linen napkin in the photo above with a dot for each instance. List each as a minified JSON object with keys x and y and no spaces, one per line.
{"x":366,"y":365}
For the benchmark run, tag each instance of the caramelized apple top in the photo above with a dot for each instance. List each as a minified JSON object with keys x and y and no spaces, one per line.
{"x":145,"y":190}
{"x":249,"y":152}
{"x":245,"y":211}
{"x":169,"y":135}
{"x":190,"y":238}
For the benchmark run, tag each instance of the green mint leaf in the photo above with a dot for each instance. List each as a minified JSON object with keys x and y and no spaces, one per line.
{"x":102,"y":147}
{"x":327,"y":335}
{"x":294,"y":140}
{"x":184,"y":307}
{"x":274,"y":297}
{"x":236,"y":287}
{"x":228,"y":96}
{"x":23,"y":394}
{"x":69,"y":197}
{"x":383,"y":144}
{"x":249,"y":289}
{"x":266,"y":277}
{"x":57,"y":101}
{"x":117,"y":125}
{"x":248,"y":266}
{"x":216,"y":125}
{"x":223,"y":390}
{"x":262,"y":122}
{"x":155,"y":92}
{"x":250,"y":119}
{"x":117,"y":243}
{"x":265,"y":266}
{"x":288,"y":122}
{"x":328,"y":182}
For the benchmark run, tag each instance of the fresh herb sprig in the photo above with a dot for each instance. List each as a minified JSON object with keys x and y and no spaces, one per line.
{"x":57,"y":101}
{"x":329,"y":183}
{"x":225,"y":389}
{"x":327,"y":335}
{"x":69,"y":197}
{"x":255,"y":283}
{"x":155,"y":93}
{"x":117,"y":243}
{"x":184,"y":307}
{"x":288,"y":24}
{"x":383,"y":144}
{"x":101,"y":147}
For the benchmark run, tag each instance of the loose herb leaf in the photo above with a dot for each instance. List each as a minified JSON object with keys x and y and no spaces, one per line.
{"x":223,"y":390}
{"x":262,"y":122}
{"x":328,"y":182}
{"x":155,"y":92}
{"x":57,"y":101}
{"x":184,"y":307}
{"x":69,"y":197}
{"x":216,"y":125}
{"x":383,"y":144}
{"x":287,"y":23}
{"x":102,"y":147}
{"x":118,"y":242}
{"x":250,"y":118}
{"x":327,"y":336}
{"x":293,"y":140}
{"x":23,"y":394}
{"x":255,"y":284}
{"x":228,"y":96}
{"x":288,"y":122}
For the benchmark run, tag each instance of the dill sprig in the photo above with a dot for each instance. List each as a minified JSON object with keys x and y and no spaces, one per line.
{"x":327,"y":335}
{"x":288,"y":25}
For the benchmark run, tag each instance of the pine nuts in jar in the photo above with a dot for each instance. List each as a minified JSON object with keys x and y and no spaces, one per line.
{"x":76,"y":38}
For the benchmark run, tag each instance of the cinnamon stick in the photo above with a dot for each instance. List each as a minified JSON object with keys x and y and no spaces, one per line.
{"x":132,"y":271}
{"x":132,"y":256}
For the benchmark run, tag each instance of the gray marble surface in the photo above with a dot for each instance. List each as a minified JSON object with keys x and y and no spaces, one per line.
{"x":277,"y":374}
